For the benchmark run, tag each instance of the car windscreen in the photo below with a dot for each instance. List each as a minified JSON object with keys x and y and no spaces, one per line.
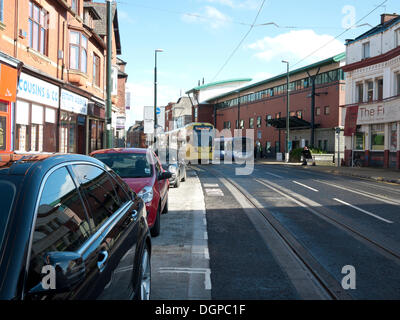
{"x":127,"y":165}
{"x":7,"y":195}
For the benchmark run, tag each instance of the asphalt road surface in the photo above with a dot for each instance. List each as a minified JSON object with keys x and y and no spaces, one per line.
{"x":290,"y":233}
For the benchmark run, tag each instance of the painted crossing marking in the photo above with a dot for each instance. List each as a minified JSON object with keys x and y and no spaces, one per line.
{"x":214,"y":192}
{"x":363,"y":211}
{"x":274,"y":175}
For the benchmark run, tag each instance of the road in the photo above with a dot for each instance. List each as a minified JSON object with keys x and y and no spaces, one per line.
{"x":287,"y":233}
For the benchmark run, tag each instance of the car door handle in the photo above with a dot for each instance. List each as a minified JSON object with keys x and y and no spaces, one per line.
{"x":134,"y":214}
{"x":101,"y":264}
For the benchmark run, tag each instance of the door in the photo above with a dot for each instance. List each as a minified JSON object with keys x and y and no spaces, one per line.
{"x":113,"y":217}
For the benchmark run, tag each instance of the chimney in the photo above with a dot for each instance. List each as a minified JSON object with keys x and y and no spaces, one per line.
{"x":386,"y":17}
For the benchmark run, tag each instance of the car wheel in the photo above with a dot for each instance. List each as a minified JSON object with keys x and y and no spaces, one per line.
{"x":178,"y":182}
{"x":144,"y":283}
{"x":155,"y":229}
{"x":165,"y":210}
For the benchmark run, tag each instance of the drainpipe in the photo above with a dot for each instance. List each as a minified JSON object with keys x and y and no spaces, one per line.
{"x":16,"y":25}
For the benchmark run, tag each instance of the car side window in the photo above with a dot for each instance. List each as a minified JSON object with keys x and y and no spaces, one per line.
{"x":124,"y":192}
{"x":99,"y":192}
{"x":61,"y":222}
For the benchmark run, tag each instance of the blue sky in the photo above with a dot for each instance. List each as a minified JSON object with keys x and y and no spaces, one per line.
{"x":198,"y":36}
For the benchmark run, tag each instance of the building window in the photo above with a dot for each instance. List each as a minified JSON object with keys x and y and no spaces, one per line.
{"x":292,"y":114}
{"x":318,"y":111}
{"x":269,"y":117}
{"x":360,"y":93}
{"x":75,"y":5}
{"x":78,"y":51}
{"x":359,"y":141}
{"x":227,"y":125}
{"x":277,"y":147}
{"x":1,"y":11}
{"x":380,"y":89}
{"x":366,"y":50}
{"x":241,"y":124}
{"x":258,"y":122}
{"x":398,"y":84}
{"x":393,"y":137}
{"x":397,"y":37}
{"x":299,"y":114}
{"x":96,"y":70}
{"x":114,"y":78}
{"x":326,"y":110}
{"x":370,"y":91}
{"x":38,"y":30}
{"x":251,"y":123}
{"x":278,"y":115}
{"x":237,"y":124}
{"x":377,"y":137}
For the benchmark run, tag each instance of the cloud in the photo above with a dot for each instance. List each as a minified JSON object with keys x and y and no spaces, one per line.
{"x":295,"y":45}
{"x":210,"y":16}
{"x":124,"y":16}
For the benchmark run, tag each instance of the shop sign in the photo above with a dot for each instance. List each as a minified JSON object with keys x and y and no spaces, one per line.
{"x":36,"y":90}
{"x":8,"y":83}
{"x":379,"y":112}
{"x":73,"y":102}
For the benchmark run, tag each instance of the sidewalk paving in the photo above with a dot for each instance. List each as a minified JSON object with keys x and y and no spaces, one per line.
{"x":375,"y":174}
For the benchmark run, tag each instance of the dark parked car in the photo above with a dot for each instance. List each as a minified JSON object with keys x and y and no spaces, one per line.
{"x":70,"y":228}
{"x":173,"y":162}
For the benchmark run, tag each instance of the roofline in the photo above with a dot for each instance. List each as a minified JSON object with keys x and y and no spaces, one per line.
{"x":337,"y":58}
{"x":365,"y":35}
{"x":217,"y":83}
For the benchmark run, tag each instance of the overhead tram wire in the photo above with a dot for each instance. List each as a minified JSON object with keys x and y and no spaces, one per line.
{"x":241,"y":41}
{"x":351,"y":27}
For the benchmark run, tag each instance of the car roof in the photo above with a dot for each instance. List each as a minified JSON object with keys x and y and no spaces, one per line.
{"x":120,"y":150}
{"x":21,"y":164}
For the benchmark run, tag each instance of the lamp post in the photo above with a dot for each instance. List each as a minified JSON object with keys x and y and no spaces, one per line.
{"x":155,"y":91}
{"x":287,"y":113}
{"x":109,"y":138}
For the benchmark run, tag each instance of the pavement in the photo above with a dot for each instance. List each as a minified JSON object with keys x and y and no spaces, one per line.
{"x":369,"y":173}
{"x":180,"y":259}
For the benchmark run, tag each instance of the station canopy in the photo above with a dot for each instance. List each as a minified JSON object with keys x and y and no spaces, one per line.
{"x":294,"y":123}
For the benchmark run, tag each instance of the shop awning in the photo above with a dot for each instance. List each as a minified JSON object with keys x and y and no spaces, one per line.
{"x":294,"y":123}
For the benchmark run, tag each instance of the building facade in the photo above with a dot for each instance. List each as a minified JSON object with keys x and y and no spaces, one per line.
{"x":262,"y":107}
{"x":372,"y":126}
{"x":59,"y":57}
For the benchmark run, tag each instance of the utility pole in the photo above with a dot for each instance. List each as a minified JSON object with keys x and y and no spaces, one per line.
{"x":313,"y":94}
{"x":155,"y":92}
{"x":109,"y":138}
{"x":287,"y":113}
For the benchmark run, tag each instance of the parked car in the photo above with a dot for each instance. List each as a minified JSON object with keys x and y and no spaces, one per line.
{"x":171,"y":162}
{"x":70,"y":228}
{"x":142,"y":171}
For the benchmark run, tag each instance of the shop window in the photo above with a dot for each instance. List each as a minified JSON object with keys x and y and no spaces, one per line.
{"x":38,"y":28}
{"x":393,"y":137}
{"x":67,"y":133}
{"x":78,"y":51}
{"x":359,"y":141}
{"x":377,"y":137}
{"x":37,"y":128}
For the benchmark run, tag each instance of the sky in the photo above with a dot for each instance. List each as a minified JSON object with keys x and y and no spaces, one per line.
{"x":228,"y":39}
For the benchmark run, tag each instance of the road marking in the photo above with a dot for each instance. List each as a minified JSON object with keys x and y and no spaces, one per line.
{"x":205,"y":271}
{"x":362,"y":210}
{"x":303,"y":185}
{"x":206,"y":254}
{"x":214,"y":192}
{"x":274,"y":175}
{"x":205,"y":235}
{"x":205,"y":221}
{"x":211,"y":185}
{"x":360,"y":192}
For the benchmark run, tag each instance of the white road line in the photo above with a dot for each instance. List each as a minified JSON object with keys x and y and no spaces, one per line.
{"x":205,"y":271}
{"x":214,"y":192}
{"x":205,"y":221}
{"x":206,"y":254}
{"x":205,"y":235}
{"x":361,"y":193}
{"x":362,"y":210}
{"x":303,"y":185}
{"x":274,"y":175}
{"x":211,"y":185}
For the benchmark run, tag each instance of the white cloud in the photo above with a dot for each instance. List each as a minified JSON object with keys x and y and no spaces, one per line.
{"x":260,"y":76}
{"x":238,"y":4}
{"x":296,"y":45}
{"x":211,"y":16}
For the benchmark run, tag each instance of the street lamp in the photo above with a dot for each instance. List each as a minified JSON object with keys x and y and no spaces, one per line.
{"x":287,"y":113}
{"x":155,"y":91}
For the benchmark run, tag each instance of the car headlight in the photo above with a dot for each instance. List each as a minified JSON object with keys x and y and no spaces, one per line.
{"x":172,"y":169}
{"x":146,"y":194}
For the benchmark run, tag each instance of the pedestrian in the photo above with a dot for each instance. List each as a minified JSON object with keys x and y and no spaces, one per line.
{"x":306,"y":154}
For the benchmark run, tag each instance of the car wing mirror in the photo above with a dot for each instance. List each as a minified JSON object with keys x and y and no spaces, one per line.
{"x":165,"y":175}
{"x":60,"y":273}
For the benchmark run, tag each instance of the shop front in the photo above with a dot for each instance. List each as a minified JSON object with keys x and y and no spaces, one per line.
{"x":73,"y":112}
{"x":36,"y":115}
{"x":8,"y":85}
{"x":96,"y":115}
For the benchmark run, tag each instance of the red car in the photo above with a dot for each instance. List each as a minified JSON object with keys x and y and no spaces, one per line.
{"x":142,"y":171}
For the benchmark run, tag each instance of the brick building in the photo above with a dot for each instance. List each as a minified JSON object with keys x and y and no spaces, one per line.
{"x":263,"y":108}
{"x":372,"y":124}
{"x":58,"y":51}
